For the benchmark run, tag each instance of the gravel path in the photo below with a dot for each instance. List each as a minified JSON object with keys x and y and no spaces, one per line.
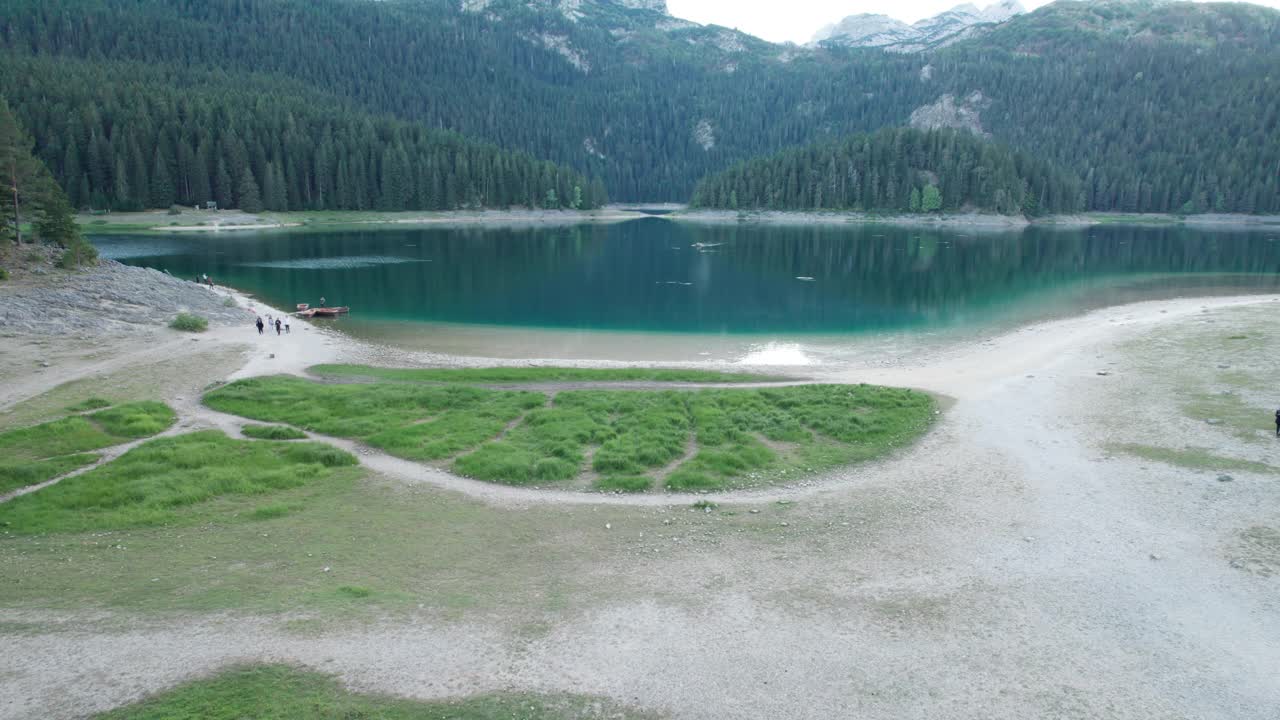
{"x":1005,"y":567}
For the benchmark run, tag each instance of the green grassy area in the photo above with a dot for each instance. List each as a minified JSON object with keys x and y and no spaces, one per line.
{"x":278,"y":692}
{"x":16,"y":474}
{"x":516,"y":375}
{"x":37,"y":453}
{"x":414,"y":422}
{"x":171,"y":480}
{"x":273,"y":432}
{"x":81,"y":433}
{"x":1192,"y":458}
{"x":740,"y":437}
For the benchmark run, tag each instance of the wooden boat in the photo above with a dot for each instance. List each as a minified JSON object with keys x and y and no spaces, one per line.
{"x":323,"y":312}
{"x":303,"y":306}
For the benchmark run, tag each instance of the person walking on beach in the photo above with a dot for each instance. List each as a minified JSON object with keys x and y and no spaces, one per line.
{"x":259,"y":325}
{"x":278,"y":326}
{"x":1277,"y":423}
{"x":286,"y":328}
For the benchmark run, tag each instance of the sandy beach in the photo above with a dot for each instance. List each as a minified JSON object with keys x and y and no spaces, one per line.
{"x":1018,"y":562}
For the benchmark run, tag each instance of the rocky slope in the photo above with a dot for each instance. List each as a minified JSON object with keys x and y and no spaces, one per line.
{"x":882,"y":31}
{"x":107,"y":299}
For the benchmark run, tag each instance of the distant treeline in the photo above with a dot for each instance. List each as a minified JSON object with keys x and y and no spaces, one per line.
{"x":124,"y":136}
{"x":898,"y":171}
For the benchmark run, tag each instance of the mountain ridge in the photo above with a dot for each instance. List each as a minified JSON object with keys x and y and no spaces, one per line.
{"x":945,"y":28}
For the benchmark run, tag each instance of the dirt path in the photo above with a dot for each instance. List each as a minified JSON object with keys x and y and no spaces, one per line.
{"x":1005,"y":567}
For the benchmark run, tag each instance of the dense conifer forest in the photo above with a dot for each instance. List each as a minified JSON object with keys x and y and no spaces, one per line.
{"x":1153,"y":107}
{"x":254,"y":145}
{"x":895,"y":171}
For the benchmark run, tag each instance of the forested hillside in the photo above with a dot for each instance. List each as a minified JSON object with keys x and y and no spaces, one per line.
{"x":127,"y":136}
{"x":897,"y":171}
{"x":1155,"y":107}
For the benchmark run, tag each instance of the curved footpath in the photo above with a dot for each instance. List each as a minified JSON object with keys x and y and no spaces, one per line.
{"x":1007,"y":566}
{"x":965,"y":374}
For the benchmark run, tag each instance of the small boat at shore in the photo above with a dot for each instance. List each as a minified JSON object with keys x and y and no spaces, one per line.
{"x":323,"y":312}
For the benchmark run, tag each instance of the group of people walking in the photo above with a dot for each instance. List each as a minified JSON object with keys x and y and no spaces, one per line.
{"x":277,"y":322}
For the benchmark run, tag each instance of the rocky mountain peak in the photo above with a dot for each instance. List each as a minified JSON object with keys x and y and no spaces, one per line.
{"x":881,"y":31}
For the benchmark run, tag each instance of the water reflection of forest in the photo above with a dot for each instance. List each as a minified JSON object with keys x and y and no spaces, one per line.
{"x":656,"y":274}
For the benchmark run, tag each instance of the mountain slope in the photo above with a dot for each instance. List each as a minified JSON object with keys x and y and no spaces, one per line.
{"x":946,"y":28}
{"x":1177,"y":109}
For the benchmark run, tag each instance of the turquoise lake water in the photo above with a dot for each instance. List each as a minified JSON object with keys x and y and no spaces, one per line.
{"x":658,"y":276}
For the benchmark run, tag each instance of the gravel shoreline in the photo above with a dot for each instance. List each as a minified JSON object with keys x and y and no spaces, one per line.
{"x":108,"y":298}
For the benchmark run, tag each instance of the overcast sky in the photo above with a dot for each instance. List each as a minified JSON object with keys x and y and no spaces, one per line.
{"x":797,"y":20}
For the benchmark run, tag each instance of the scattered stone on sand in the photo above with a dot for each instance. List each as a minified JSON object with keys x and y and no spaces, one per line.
{"x":1213,"y":421}
{"x":1104,"y":372}
{"x":1225,"y":478}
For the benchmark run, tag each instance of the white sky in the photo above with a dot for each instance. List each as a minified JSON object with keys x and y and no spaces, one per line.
{"x":798,"y":20}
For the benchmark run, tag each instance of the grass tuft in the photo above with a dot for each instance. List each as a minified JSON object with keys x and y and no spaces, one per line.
{"x":354,"y":591}
{"x":93,"y":403}
{"x":273,"y":432}
{"x":188,"y":322}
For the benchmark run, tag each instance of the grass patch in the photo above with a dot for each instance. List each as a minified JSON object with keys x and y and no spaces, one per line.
{"x":273,"y":432}
{"x":417,"y":423}
{"x":269,"y":512}
{"x":744,"y":436}
{"x":169,"y":480}
{"x":514,"y":375}
{"x":1241,"y":419}
{"x":93,"y":403}
{"x":81,"y":433}
{"x":355,"y":592}
{"x":278,"y":692}
{"x":188,"y":322}
{"x":20,"y":474}
{"x":1192,"y":458}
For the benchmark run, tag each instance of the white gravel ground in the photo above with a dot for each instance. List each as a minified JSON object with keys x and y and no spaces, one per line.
{"x":1007,"y":567}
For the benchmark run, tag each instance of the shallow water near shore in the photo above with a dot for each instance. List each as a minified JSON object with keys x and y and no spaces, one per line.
{"x":658,"y":290}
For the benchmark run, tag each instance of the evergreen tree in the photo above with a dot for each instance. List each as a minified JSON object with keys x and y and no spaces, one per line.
{"x":161,"y":184}
{"x":248,"y":197}
{"x":23,"y":179}
{"x":930,"y":199}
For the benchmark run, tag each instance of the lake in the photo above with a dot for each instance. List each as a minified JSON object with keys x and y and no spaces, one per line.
{"x":656,"y":289}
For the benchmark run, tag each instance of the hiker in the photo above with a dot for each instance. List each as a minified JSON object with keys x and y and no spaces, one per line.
{"x":259,"y":325}
{"x":278,"y":326}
